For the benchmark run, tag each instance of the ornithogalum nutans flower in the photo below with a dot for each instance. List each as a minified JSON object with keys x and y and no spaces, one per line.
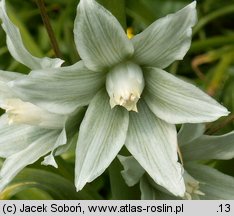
{"x":201,"y":181}
{"x":131,"y":99}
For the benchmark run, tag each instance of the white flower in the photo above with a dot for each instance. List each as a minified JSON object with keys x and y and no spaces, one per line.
{"x":117,"y":75}
{"x":28,"y":132}
{"x":201,"y":181}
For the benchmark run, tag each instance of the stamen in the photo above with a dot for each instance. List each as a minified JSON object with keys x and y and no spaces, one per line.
{"x":192,"y":186}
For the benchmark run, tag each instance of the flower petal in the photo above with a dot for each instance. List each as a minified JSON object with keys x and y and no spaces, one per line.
{"x":101,"y":136}
{"x":65,"y":139}
{"x":5,"y":91}
{"x":17,"y":48}
{"x":100,"y":39}
{"x":214,"y":184}
{"x":189,"y":132}
{"x":6,"y":76}
{"x":72,"y":124}
{"x":16,"y":162}
{"x":14,"y":138}
{"x":153,"y":143}
{"x":59,"y":90}
{"x":210,"y":147}
{"x":177,"y":101}
{"x":132,"y":172}
{"x":147,"y":191}
{"x":61,"y":141}
{"x":167,"y":39}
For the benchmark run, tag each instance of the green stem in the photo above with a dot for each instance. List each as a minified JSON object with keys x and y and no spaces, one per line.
{"x":214,"y":15}
{"x":202,"y":45}
{"x":45,"y":18}
{"x":215,"y":128}
{"x":220,"y":73}
{"x":29,"y":42}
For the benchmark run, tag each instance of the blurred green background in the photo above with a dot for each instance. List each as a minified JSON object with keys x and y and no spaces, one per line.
{"x":208,"y":64}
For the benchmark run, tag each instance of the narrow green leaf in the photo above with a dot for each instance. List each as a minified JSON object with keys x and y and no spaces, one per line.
{"x":55,"y":185}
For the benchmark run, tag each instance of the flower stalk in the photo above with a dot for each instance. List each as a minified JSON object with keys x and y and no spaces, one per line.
{"x":49,"y":29}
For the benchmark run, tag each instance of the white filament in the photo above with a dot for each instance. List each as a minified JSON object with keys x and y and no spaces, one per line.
{"x":192,"y":186}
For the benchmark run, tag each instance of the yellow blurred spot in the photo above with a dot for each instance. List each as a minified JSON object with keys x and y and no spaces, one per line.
{"x":130,"y":32}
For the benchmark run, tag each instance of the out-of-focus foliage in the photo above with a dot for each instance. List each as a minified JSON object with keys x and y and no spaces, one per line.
{"x":209,"y":64}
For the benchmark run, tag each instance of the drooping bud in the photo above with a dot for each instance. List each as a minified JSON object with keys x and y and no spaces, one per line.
{"x":124,"y":84}
{"x":192,"y":186}
{"x":22,"y":112}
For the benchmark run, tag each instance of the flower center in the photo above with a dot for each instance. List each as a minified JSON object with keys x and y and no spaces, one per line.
{"x":192,"y":186}
{"x":22,"y":112}
{"x":124,"y":84}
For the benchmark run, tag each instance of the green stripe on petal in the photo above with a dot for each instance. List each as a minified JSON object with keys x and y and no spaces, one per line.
{"x":60,"y":90}
{"x":177,"y":101}
{"x":99,"y":37}
{"x":210,"y":147}
{"x":17,"y":48}
{"x":214,"y":184}
{"x":167,"y":39}
{"x":102,"y":134}
{"x":153,"y":143}
{"x":36,"y":149}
